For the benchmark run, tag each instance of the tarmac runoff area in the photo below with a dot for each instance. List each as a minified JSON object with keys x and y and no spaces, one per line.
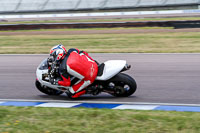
{"x":165,"y":82}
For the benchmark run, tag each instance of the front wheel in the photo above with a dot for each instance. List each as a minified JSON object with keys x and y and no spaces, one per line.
{"x":123,"y":85}
{"x":47,"y":90}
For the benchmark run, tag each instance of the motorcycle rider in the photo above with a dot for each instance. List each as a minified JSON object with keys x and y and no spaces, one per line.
{"x":77,"y":64}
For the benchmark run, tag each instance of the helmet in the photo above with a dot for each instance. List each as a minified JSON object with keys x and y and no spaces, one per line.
{"x":58,"y":52}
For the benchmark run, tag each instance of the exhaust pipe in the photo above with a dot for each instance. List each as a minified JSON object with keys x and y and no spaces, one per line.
{"x":126,"y":67}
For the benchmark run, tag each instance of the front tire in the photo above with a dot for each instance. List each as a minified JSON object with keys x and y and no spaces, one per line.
{"x":123,"y":85}
{"x":47,"y":90}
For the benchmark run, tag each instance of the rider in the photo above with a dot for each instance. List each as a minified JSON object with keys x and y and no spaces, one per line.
{"x":77,"y":64}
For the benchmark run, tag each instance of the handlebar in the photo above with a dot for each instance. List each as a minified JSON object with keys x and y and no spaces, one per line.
{"x":53,"y":70}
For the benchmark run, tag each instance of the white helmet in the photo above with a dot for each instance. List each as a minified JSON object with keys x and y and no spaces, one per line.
{"x":58,"y":52}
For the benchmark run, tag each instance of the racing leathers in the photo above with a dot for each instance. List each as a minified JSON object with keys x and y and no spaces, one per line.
{"x":80,"y":65}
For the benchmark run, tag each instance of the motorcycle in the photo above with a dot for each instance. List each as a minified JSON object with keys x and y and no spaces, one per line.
{"x":110,"y":79}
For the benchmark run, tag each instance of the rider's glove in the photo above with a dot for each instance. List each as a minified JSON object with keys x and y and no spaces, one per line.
{"x":65,"y":81}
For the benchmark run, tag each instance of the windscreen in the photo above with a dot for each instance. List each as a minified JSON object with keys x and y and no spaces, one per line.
{"x":43,"y":65}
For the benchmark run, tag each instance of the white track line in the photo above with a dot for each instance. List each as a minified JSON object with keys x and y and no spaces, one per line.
{"x":61,"y":105}
{"x":2,"y":102}
{"x":137,"y":107}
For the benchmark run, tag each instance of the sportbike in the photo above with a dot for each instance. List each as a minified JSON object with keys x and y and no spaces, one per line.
{"x":110,"y":79}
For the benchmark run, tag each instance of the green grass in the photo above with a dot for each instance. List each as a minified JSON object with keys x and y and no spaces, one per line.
{"x":82,"y":120}
{"x":103,"y":20}
{"x":185,"y":42}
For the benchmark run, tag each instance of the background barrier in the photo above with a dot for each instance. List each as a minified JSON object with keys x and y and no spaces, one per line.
{"x":175,"y":24}
{"x":68,"y":5}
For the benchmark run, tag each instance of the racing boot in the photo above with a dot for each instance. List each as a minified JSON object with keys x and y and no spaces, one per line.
{"x":78,"y":94}
{"x":79,"y":89}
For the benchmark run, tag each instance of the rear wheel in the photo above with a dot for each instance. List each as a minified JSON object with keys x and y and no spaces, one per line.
{"x":47,"y":90}
{"x":123,"y":85}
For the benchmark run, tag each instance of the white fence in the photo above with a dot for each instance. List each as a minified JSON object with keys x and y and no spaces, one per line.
{"x":64,"y":5}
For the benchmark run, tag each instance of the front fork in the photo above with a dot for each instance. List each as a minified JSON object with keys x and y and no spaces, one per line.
{"x":53,"y":71}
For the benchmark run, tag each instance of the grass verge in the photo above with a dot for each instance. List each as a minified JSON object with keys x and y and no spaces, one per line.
{"x":82,"y":120}
{"x":184,"y":42}
{"x":103,"y":20}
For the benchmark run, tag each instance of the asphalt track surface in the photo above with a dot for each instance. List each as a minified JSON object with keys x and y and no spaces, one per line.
{"x":161,"y":78}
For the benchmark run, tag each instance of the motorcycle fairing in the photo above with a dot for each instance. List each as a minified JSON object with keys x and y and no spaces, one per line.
{"x":111,"y":68}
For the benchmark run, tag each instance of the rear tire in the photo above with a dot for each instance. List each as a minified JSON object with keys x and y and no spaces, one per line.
{"x":123,"y":84}
{"x":47,"y":90}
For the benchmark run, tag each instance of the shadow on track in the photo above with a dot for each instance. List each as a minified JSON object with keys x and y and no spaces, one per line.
{"x":85,"y":97}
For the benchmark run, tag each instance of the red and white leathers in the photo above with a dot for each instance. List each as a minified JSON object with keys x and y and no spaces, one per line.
{"x":80,"y":65}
